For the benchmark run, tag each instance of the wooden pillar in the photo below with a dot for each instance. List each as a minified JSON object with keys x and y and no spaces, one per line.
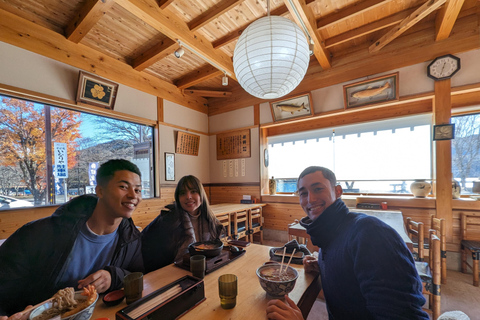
{"x":160,"y":160}
{"x":442,"y":106}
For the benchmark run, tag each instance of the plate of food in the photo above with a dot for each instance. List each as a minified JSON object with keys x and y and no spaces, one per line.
{"x":68,"y":304}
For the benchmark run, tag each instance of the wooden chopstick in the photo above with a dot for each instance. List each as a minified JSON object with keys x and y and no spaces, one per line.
{"x":141,"y":309}
{"x":283,"y":258}
{"x":290,"y":260}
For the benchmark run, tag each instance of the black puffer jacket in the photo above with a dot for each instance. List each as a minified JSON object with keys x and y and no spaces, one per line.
{"x":32,"y":258}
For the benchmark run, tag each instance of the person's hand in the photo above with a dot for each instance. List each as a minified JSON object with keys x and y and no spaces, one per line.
{"x":100,"y":279}
{"x":279,"y":310}
{"x":17,"y":316}
{"x":310,"y":264}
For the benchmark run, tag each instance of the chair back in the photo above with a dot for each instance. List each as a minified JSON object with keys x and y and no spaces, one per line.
{"x":439,"y":225}
{"x":255,"y":223}
{"x":415,"y":231}
{"x":470,"y":226}
{"x":225,"y":221}
{"x":240,"y":225}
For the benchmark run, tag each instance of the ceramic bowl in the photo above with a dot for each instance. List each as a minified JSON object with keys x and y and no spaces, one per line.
{"x":274,"y":286}
{"x":113,"y":298}
{"x":209,"y":249}
{"x":84,"y":314}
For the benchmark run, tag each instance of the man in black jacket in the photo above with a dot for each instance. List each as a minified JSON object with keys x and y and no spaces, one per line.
{"x":88,"y":240}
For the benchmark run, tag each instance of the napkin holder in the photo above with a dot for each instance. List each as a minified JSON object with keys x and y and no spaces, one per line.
{"x":168,"y":302}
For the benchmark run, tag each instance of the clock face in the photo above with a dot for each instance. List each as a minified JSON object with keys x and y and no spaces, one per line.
{"x":443,"y":67}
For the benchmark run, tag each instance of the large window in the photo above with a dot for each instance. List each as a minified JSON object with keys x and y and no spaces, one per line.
{"x":30,"y":135}
{"x":466,"y":151}
{"x":377,"y":157}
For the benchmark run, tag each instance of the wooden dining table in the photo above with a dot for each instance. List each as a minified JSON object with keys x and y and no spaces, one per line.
{"x":251,"y":300}
{"x":222,"y":208}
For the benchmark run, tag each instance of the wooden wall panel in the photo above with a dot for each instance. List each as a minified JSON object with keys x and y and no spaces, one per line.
{"x":232,"y":193}
{"x":278,"y":216}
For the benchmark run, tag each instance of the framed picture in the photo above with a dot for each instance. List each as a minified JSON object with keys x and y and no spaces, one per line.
{"x":169,"y":166}
{"x":444,"y":131}
{"x":371,"y":91}
{"x":96,"y":91}
{"x":292,"y":108}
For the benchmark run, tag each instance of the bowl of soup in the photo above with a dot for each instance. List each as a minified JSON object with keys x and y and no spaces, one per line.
{"x":276,"y":282}
{"x":209,"y":249}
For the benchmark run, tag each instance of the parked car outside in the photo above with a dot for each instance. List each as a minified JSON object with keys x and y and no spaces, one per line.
{"x":9,"y":202}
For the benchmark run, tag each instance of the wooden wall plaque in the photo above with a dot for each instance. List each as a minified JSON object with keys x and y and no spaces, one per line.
{"x":231,"y":145}
{"x":187,"y":143}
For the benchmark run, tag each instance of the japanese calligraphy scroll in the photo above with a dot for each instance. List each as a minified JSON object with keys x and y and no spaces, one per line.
{"x":187,"y":143}
{"x":231,"y":145}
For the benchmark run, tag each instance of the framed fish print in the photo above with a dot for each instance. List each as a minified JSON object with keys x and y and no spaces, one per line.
{"x":292,"y":108}
{"x":371,"y":91}
{"x":96,"y":91}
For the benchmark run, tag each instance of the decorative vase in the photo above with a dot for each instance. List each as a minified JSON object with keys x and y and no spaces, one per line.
{"x":420,"y":188}
{"x":456,"y":190}
{"x":272,"y":186}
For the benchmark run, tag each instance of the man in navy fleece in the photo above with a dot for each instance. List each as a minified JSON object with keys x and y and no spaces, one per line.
{"x":366,"y":269}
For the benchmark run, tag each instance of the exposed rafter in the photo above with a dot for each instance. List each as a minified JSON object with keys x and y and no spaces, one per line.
{"x":159,"y":51}
{"x":350,"y":11}
{"x":306,"y":19}
{"x":91,"y":12}
{"x":427,"y":8}
{"x":174,"y":28}
{"x":446,"y":18}
{"x":198,"y":76}
{"x":213,"y":13}
{"x":209,"y":93}
{"x":164,"y":3}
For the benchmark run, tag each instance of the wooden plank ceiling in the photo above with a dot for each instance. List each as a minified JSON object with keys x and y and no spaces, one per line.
{"x":133,"y":41}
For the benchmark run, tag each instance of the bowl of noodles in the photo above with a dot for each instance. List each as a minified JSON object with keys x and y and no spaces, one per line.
{"x":276,"y":279}
{"x":209,"y":249}
{"x":69,"y":304}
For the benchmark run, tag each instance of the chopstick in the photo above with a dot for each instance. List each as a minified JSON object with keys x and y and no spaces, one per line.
{"x":289,"y":261}
{"x":283,"y":258}
{"x":161,"y":298}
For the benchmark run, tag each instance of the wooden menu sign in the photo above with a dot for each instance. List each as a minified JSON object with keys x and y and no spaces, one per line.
{"x":187,"y":143}
{"x":231,"y":145}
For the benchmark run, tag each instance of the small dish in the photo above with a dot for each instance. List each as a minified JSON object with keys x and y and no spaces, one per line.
{"x":113,"y":298}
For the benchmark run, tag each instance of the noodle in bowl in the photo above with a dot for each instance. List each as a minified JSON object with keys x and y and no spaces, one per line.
{"x":45,"y":312}
{"x":275,"y":283}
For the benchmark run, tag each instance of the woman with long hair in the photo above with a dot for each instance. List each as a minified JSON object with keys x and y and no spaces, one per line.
{"x":189,"y":219}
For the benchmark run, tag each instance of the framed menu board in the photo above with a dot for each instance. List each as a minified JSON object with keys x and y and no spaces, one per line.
{"x":187,"y":143}
{"x":231,"y":145}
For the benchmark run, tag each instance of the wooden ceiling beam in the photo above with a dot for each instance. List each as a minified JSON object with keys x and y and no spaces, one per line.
{"x":198,"y":76}
{"x":424,"y":10}
{"x":306,"y":18}
{"x":208,"y":93}
{"x":86,"y":18}
{"x":32,"y":37}
{"x":446,"y":18}
{"x":368,"y":28}
{"x":164,"y":3}
{"x":235,"y":34}
{"x":348,"y":12}
{"x":159,"y":51}
{"x":174,"y":28}
{"x":214,"y":12}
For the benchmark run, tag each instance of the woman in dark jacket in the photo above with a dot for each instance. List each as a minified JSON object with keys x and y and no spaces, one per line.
{"x":189,"y":219}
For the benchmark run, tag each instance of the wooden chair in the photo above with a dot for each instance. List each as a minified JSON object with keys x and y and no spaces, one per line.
{"x":239,"y":225}
{"x":430,"y":274}
{"x":415,"y":231}
{"x":470,"y":244}
{"x":255,"y":223}
{"x":439,"y":225}
{"x":225,"y":220}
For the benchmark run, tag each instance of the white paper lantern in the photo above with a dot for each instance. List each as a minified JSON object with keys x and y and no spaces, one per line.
{"x":271,"y":57}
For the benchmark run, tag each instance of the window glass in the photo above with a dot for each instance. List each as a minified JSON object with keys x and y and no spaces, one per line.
{"x":466,"y":151}
{"x":378,"y":157}
{"x":50,"y":154}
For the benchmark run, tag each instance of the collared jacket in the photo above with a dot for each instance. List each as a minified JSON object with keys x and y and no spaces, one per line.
{"x":31,"y":259}
{"x":366,"y":269}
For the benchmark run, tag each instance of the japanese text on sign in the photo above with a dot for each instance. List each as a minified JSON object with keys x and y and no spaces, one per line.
{"x":187,"y":143}
{"x":61,"y":160}
{"x":233,"y":145}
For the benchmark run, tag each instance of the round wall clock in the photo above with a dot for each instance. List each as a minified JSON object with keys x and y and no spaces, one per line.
{"x":443,"y":67}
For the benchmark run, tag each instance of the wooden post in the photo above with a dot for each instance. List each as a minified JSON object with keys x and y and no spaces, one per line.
{"x":442,"y":106}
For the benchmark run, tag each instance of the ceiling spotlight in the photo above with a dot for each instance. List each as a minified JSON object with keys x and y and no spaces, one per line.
{"x":225,"y":80}
{"x":311,"y":48}
{"x":179,"y":52}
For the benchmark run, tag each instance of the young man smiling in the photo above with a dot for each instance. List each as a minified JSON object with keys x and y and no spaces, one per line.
{"x":88,"y":240}
{"x":366,"y":269}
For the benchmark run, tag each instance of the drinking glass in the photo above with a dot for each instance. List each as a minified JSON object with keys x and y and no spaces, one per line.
{"x":227,"y":289}
{"x":197,"y":266}
{"x":133,"y":286}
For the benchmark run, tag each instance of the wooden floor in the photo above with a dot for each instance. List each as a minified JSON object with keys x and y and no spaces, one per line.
{"x":458,"y":294}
